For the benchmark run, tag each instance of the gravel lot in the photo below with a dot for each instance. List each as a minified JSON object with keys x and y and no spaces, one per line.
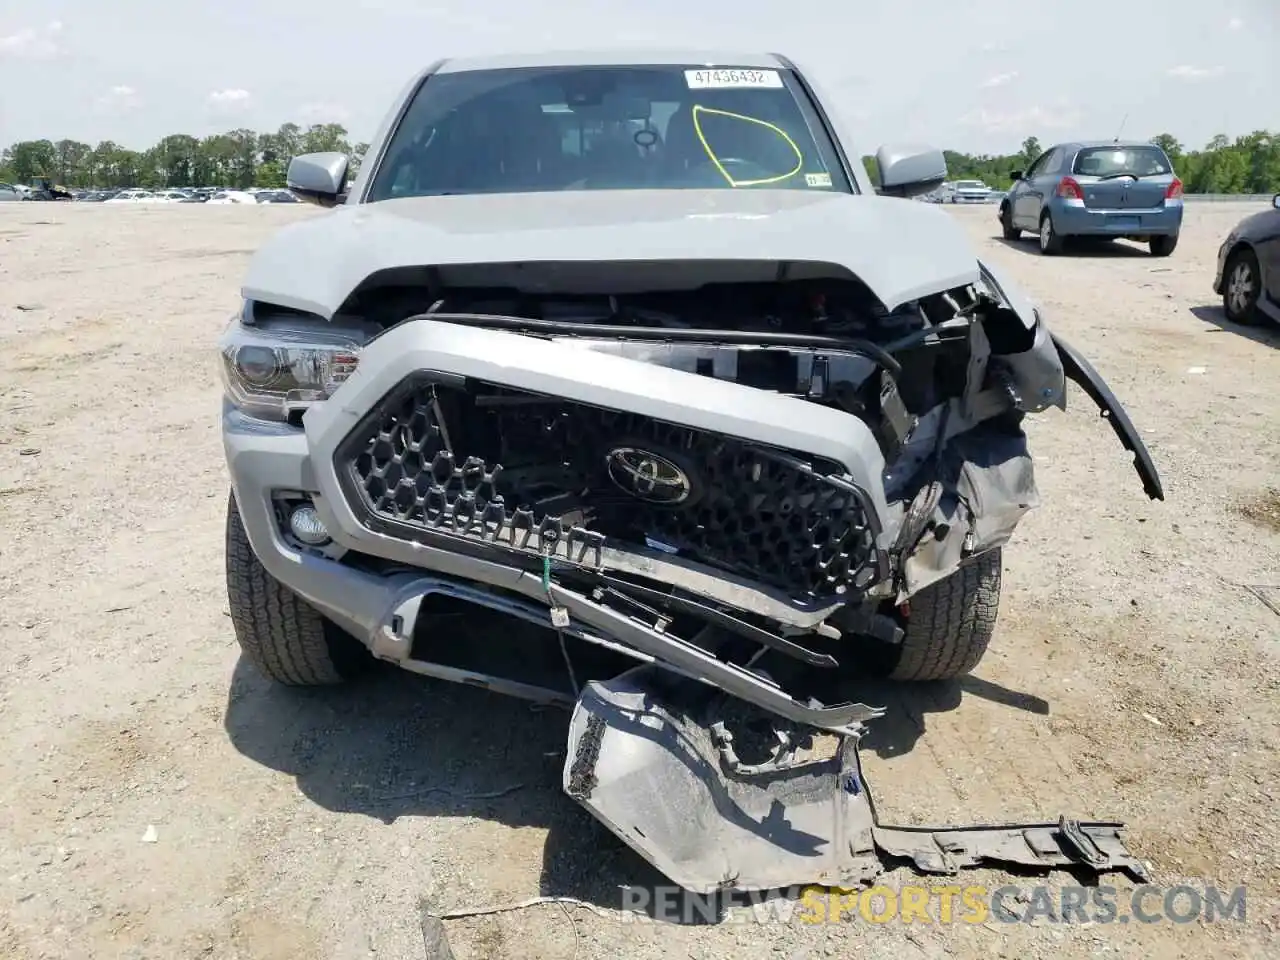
{"x":158,"y":799}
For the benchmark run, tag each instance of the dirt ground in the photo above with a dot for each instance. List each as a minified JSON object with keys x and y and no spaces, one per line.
{"x":158,"y":799}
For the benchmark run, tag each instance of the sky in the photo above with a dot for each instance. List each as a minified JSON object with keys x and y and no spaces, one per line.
{"x":977,"y":76}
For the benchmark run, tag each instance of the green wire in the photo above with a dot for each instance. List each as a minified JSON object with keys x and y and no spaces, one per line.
{"x":546,"y":574}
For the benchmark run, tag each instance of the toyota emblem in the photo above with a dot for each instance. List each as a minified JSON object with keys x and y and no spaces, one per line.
{"x":648,"y":476}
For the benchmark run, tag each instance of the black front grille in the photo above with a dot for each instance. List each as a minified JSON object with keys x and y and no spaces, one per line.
{"x":542,"y":475}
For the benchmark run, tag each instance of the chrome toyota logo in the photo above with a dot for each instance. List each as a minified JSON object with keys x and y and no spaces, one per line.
{"x":647,"y":476}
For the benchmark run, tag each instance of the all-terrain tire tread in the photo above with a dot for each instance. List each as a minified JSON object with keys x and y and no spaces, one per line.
{"x":280,"y":634}
{"x":951,"y":622}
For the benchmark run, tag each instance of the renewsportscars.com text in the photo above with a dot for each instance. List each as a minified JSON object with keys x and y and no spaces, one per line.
{"x":943,"y":904}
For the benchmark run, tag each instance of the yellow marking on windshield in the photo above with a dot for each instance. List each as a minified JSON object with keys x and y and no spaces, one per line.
{"x":697,"y":128}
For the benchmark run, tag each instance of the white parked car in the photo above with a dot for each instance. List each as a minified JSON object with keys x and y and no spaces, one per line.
{"x":970,"y":191}
{"x":233,"y":196}
{"x":131,"y":196}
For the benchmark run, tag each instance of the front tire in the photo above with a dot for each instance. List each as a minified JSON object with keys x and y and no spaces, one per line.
{"x":1051,"y":243}
{"x":949,"y":624}
{"x":1163,"y":246}
{"x":1006,"y":223}
{"x":1241,"y":288}
{"x":279,"y":633}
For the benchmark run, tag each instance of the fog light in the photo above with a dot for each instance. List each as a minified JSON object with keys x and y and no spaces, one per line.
{"x":307,"y":526}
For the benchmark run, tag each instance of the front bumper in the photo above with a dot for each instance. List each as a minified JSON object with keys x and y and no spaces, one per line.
{"x":266,"y":461}
{"x":1219,"y":273}
{"x":649,"y":754}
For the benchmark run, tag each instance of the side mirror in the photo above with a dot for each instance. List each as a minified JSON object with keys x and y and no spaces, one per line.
{"x":318,"y":178}
{"x":1275,"y":201}
{"x":1016,"y":176}
{"x":909,"y":171}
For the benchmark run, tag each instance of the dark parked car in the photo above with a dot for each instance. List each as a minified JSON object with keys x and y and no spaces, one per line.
{"x":1096,"y":189}
{"x":1248,"y":276}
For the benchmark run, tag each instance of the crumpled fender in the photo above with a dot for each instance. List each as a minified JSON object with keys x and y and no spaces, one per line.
{"x":1004,"y":288}
{"x":1081,"y":372}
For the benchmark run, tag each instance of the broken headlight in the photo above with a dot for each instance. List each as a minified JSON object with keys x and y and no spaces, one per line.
{"x":275,"y":368}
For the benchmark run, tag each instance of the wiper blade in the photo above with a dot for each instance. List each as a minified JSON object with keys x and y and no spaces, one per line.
{"x":1113,"y":176}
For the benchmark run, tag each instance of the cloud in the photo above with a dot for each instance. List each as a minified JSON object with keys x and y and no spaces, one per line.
{"x":119,"y":98}
{"x":233,"y":98}
{"x":439,"y":14}
{"x":1235,"y":23}
{"x":323,"y":112}
{"x":999,"y":80}
{"x":33,"y":43}
{"x":1024,"y":121}
{"x":1186,"y":71}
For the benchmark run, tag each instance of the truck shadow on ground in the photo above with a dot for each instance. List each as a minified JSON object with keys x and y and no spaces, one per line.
{"x":393,"y":744}
{"x":1264,"y":332}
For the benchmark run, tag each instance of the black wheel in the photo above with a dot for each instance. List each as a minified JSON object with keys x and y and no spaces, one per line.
{"x":1241,"y":287}
{"x":1050,"y":242}
{"x":1006,"y":223}
{"x":947,"y":626}
{"x":283,"y":636}
{"x":1163,"y":246}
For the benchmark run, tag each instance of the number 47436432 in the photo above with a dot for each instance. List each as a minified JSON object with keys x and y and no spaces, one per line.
{"x":731,"y":77}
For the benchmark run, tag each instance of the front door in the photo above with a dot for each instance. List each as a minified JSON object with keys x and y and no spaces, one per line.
{"x":1031,"y":192}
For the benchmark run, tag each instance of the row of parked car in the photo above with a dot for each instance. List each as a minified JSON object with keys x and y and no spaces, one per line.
{"x":194,"y":196}
{"x":213,"y":195}
{"x":964,"y":191}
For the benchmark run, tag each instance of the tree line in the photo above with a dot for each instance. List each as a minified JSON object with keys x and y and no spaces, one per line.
{"x":245,"y":158}
{"x":237,"y":158}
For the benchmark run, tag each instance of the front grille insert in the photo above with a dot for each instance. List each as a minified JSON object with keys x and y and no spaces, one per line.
{"x":548,"y":477}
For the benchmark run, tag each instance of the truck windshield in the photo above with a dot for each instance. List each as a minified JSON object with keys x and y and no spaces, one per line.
{"x":531,"y":129}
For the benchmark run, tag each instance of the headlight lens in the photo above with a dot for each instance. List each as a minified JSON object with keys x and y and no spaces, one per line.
{"x":274,"y":369}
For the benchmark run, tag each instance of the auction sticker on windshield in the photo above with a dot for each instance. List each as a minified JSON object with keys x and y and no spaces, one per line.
{"x":731,"y":79}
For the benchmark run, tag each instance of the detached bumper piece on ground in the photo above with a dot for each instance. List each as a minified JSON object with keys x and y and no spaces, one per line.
{"x":739,"y":813}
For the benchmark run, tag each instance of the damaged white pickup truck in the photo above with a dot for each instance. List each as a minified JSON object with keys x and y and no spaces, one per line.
{"x":626,"y":347}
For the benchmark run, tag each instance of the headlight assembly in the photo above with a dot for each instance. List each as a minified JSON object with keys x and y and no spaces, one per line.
{"x":273,"y":369}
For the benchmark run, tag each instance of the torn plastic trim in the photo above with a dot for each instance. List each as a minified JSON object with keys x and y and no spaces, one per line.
{"x":682,"y":657}
{"x":762,"y":338}
{"x":681,"y":573}
{"x":1093,"y":845}
{"x":1081,"y":372}
{"x":803,"y":815}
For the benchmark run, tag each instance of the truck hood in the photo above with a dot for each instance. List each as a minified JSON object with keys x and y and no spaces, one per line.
{"x":900,"y":249}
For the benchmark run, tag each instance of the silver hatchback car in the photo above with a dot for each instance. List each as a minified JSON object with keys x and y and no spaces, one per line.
{"x":1096,"y":189}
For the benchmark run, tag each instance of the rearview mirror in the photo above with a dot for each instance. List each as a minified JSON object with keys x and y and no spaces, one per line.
{"x":318,"y":178}
{"x":1015,"y":176}
{"x":909,"y":171}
